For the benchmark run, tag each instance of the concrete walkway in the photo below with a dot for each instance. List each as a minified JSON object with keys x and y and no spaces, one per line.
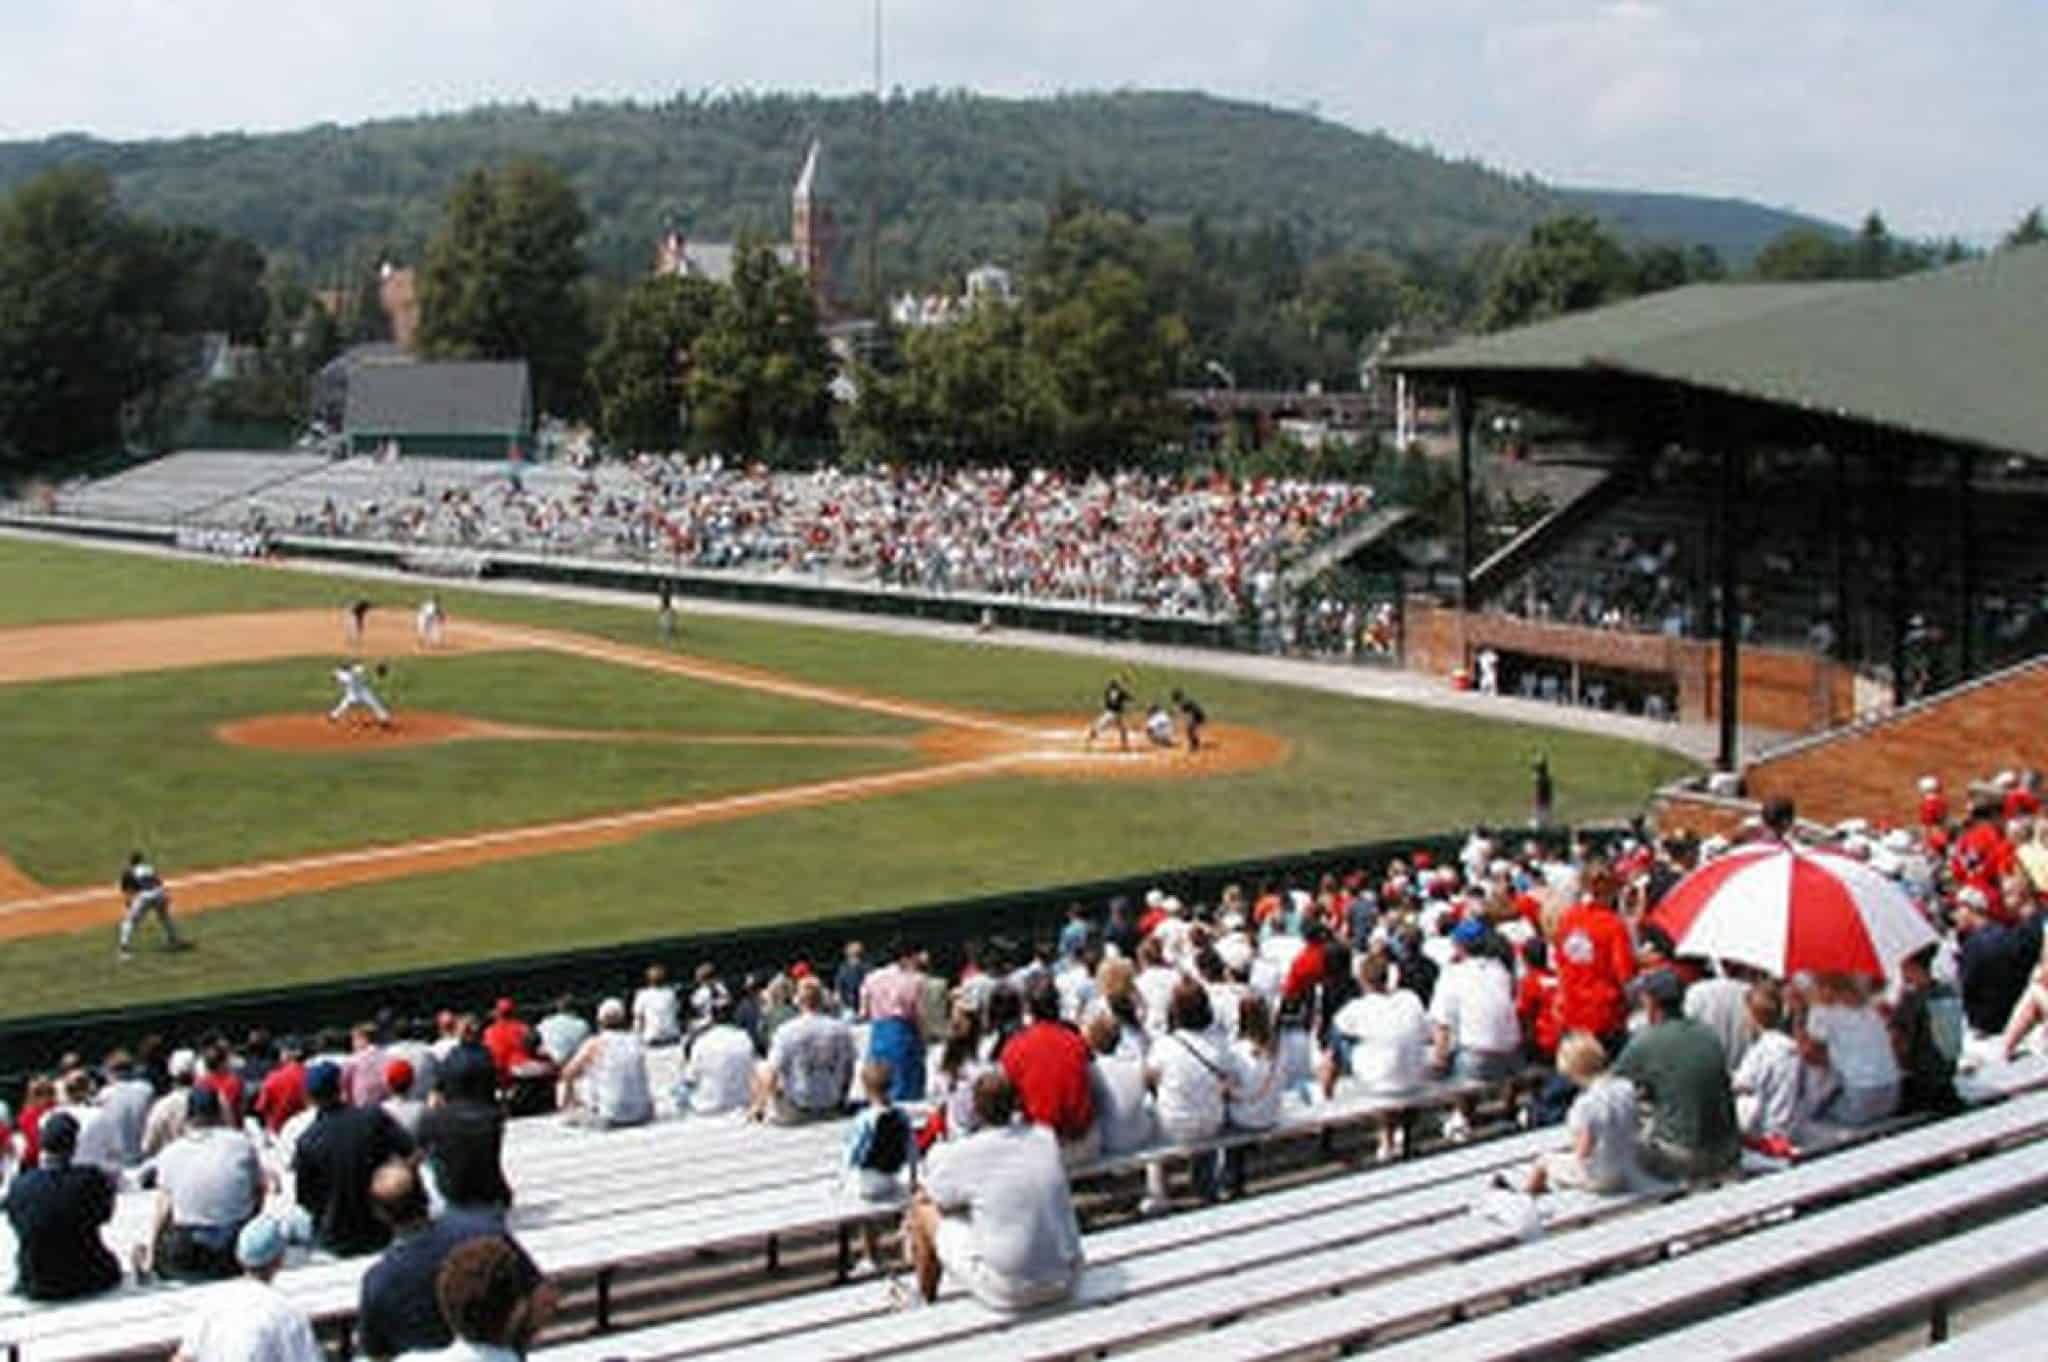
{"x":1365,"y":682}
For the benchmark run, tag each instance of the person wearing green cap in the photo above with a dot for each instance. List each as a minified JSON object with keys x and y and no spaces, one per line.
{"x":250,"y":1320}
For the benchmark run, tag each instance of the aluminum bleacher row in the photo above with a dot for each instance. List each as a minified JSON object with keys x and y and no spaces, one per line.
{"x":1401,"y":1243}
{"x":591,"y":1207}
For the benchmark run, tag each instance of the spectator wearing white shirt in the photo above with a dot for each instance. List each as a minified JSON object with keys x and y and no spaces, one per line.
{"x":1602,"y":1125}
{"x":657,"y":1013}
{"x":1116,"y":1081}
{"x":1387,"y":1034}
{"x":251,"y":1318}
{"x":1192,"y":1072}
{"x":995,"y":1211}
{"x":1253,"y":1100}
{"x":1767,"y":1083}
{"x":1476,"y":1035}
{"x":1849,"y":1056}
{"x":719,"y":1073}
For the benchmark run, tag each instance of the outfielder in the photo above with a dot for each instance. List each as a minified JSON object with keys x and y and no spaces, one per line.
{"x":430,"y":622}
{"x":145,"y":893}
{"x":356,"y":694}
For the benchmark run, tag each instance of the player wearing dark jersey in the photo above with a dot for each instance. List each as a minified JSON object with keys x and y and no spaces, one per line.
{"x":1115,"y":699}
{"x":353,"y":620}
{"x":145,"y":892}
{"x":1192,"y":718}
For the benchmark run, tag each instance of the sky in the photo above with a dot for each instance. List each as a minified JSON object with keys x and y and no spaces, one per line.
{"x":1928,"y":110}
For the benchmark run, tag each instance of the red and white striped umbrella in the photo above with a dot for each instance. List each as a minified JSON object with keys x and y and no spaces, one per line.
{"x":1785,"y":909}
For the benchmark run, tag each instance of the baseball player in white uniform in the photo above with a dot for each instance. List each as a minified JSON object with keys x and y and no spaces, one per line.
{"x":354,"y":681}
{"x":1159,"y":726}
{"x":430,"y":621}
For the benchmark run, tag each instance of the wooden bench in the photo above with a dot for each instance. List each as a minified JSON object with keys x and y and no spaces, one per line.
{"x":1413,"y":1192}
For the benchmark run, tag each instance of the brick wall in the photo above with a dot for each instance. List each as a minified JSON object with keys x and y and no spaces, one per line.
{"x":1790,"y":692}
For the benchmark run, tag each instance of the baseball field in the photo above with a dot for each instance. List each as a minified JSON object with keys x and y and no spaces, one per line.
{"x":556,"y":776}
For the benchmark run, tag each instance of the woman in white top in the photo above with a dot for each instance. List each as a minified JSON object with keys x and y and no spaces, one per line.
{"x":657,"y":1015}
{"x":1253,"y":1102}
{"x":1601,"y":1122}
{"x":1850,"y":1063}
{"x":1123,"y":1105}
{"x":1387,"y":1033}
{"x":1192,"y":1071}
{"x":949,"y":1082}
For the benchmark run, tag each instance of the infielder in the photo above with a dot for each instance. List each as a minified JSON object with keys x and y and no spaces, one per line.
{"x":353,"y":618}
{"x":145,"y":892}
{"x":1193,"y":718}
{"x":430,"y":622}
{"x":1159,"y":725}
{"x":1115,"y":699}
{"x":665,"y":616}
{"x":356,"y":694}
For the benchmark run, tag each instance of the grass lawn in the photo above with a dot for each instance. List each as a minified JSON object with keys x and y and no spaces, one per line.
{"x":1360,"y":770}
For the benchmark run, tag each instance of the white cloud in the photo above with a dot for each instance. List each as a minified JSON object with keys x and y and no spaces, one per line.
{"x":1830,"y":105}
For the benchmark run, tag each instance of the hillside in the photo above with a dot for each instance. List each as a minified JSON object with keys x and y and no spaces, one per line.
{"x":1737,"y":228}
{"x":967,"y":176}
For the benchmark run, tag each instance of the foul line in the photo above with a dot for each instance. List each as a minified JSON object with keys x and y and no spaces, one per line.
{"x":781,"y":797}
{"x":627,"y":655}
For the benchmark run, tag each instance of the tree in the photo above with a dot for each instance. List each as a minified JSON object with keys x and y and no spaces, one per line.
{"x":2030,"y":230}
{"x":1875,"y":253}
{"x":1802,"y":254}
{"x":1569,"y":263}
{"x":758,"y":384}
{"x":640,"y":370}
{"x":502,"y":279}
{"x":84,"y":296}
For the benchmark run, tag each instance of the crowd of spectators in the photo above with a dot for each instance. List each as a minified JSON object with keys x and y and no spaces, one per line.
{"x":1148,"y":1025}
{"x":1158,"y":544}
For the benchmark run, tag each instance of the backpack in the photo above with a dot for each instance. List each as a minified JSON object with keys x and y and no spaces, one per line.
{"x":889,"y":1146}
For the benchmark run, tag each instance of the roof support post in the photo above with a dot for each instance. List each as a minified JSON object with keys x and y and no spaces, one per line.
{"x":1715,"y":437}
{"x":1463,"y":408}
{"x":1838,"y":524}
{"x":1966,"y":565}
{"x":1894,"y":465}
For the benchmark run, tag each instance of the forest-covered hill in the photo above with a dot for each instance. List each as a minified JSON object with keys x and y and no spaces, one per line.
{"x":965,"y":177}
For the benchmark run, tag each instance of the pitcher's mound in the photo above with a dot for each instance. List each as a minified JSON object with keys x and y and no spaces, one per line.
{"x":354,"y":733}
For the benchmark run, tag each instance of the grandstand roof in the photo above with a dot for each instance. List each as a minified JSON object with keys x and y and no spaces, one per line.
{"x":1953,"y":355}
{"x":456,"y":398}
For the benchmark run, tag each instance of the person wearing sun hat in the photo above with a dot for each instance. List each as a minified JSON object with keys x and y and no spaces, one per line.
{"x":250,"y":1317}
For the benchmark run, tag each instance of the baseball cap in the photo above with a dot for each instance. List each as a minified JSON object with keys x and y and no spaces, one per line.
{"x":504,"y":1007}
{"x":182,"y":1064}
{"x":260,"y":1243}
{"x":323,"y":1081}
{"x":398,"y":1074}
{"x":203,"y":1104}
{"x":1469,"y":932}
{"x":1660,"y":984}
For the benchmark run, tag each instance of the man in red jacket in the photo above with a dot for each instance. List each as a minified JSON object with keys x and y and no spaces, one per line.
{"x":1594,"y":959}
{"x":1047,"y":1063}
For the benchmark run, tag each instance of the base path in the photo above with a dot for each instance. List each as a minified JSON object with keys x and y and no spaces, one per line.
{"x":955,"y":746}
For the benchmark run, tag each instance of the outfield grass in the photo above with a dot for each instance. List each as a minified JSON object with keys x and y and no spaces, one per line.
{"x":1359,"y":771}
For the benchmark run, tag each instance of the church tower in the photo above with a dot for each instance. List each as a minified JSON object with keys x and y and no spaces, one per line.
{"x":814,"y":232}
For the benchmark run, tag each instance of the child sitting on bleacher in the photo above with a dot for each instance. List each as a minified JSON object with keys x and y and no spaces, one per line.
{"x":1767,"y":1083}
{"x":880,"y":1152}
{"x":1601,"y":1122}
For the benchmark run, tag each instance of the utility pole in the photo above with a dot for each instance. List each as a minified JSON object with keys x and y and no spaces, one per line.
{"x":876,"y":303}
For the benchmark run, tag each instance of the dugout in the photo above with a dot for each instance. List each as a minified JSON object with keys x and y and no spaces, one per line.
{"x":479,"y":409}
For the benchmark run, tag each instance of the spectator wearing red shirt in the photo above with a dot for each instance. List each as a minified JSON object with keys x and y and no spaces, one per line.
{"x":1307,"y":970}
{"x":1047,"y":1063}
{"x":283,"y":1094}
{"x":2021,"y":801}
{"x":38,"y":1102}
{"x":1933,"y":804}
{"x":219,"y":1074}
{"x":1536,"y":1001}
{"x":509,"y":1039}
{"x":1982,"y":857}
{"x":1594,"y":959}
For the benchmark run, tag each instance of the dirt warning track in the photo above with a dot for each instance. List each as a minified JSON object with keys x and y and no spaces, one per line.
{"x":955,"y":746}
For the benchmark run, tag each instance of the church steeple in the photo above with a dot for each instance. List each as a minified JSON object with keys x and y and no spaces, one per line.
{"x":813,"y":229}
